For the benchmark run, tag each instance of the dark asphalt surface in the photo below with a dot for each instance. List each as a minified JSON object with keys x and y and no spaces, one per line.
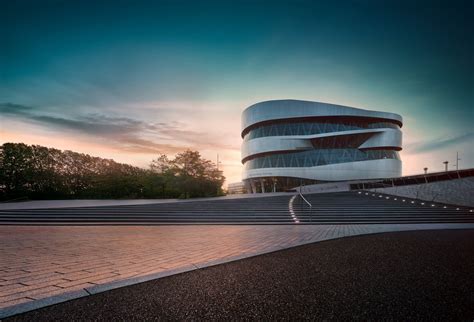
{"x":423,"y":275}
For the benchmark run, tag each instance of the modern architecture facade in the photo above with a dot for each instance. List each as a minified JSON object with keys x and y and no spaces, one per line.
{"x":236,"y":188}
{"x":287,"y":143}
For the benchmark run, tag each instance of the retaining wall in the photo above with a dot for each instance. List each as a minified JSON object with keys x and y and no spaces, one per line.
{"x":456,"y":191}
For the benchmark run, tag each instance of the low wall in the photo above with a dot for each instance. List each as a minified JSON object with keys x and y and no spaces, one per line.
{"x":325,"y":187}
{"x":456,"y":191}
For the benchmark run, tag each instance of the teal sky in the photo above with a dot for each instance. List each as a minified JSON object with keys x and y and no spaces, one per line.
{"x":131,"y":79}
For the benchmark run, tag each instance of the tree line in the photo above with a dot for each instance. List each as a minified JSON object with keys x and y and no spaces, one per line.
{"x":38,"y":172}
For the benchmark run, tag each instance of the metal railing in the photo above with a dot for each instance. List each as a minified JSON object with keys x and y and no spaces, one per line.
{"x":308,"y":203}
{"x":413,"y":180}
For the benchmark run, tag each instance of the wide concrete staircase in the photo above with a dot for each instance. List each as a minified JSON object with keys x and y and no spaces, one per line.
{"x":245,"y":210}
{"x":366,"y":207}
{"x":359,"y":207}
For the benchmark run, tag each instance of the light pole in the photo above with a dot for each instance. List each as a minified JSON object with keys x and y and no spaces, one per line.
{"x":217,"y":168}
{"x":457,"y":164}
{"x":457,"y":161}
{"x":426,"y":170}
{"x":217,"y":163}
{"x":446,"y":165}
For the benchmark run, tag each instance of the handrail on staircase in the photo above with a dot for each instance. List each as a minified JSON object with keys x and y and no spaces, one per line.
{"x":308,"y":203}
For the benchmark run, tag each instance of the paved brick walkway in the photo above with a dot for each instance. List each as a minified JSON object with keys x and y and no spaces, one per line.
{"x":41,"y":262}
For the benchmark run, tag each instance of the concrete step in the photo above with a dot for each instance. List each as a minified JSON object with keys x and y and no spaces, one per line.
{"x":330,"y":208}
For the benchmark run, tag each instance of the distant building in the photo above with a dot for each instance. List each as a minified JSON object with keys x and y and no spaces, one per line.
{"x":236,"y":188}
{"x":287,"y":143}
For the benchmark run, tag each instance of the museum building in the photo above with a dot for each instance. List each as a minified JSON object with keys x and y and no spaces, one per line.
{"x":289,"y":143}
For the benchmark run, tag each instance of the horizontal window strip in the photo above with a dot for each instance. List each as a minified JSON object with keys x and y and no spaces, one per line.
{"x":310,"y":128}
{"x":318,"y":157}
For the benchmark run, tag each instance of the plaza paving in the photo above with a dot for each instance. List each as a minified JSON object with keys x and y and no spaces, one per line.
{"x":399,"y":276}
{"x":40,"y":264}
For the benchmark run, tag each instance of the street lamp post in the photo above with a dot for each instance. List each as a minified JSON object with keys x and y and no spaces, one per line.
{"x":457,"y":161}
{"x":217,"y":168}
{"x":218,"y":162}
{"x":446,"y":165}
{"x":457,"y":164}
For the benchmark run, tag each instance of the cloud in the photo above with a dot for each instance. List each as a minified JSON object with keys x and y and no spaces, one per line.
{"x":14,"y":109}
{"x":433,"y":145}
{"x":123,"y":133}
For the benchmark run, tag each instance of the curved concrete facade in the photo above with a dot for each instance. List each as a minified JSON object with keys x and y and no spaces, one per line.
{"x":289,"y":142}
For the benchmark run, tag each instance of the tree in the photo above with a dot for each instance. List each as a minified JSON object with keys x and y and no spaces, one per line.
{"x":38,"y":172}
{"x":196,"y":177}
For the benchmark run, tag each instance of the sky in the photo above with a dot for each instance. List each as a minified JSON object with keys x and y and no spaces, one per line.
{"x":130,"y":80}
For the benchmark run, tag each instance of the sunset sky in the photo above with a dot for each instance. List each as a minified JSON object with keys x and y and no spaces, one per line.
{"x":129,"y":80}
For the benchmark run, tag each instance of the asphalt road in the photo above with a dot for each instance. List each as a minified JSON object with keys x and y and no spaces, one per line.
{"x":425,"y":275}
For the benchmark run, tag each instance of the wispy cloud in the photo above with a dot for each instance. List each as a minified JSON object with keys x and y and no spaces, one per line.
{"x":15,"y":109}
{"x":127,"y":134}
{"x":438,"y":144}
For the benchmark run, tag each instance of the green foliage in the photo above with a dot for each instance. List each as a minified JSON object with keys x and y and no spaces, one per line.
{"x":36,"y":172}
{"x":194,"y":176}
